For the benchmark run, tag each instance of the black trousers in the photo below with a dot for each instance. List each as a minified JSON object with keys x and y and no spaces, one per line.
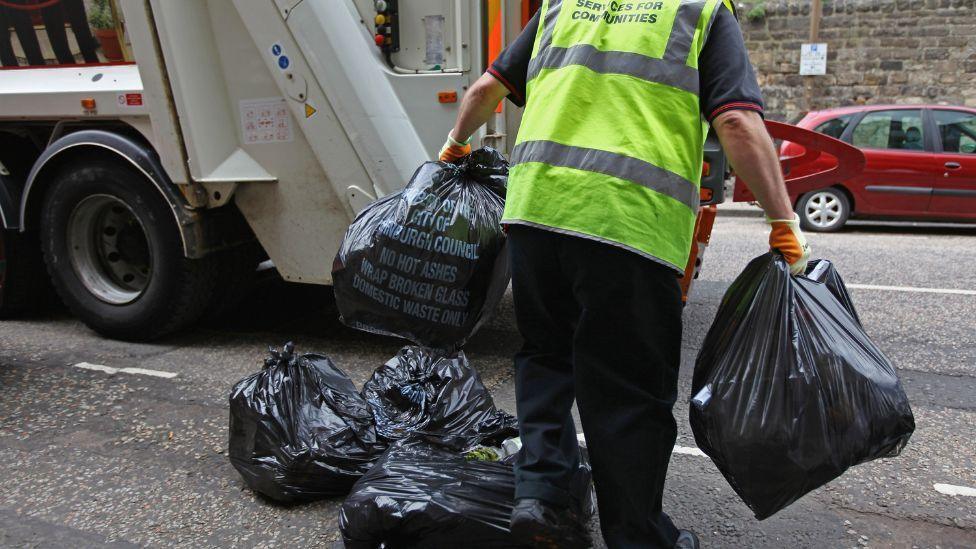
{"x":601,"y":325}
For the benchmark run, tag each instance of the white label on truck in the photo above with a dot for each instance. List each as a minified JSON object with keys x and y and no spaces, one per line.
{"x":434,"y":27}
{"x":265,"y":121}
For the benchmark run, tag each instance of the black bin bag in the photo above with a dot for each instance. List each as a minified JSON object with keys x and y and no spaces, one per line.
{"x":299,"y":429}
{"x":788,"y":390}
{"x":424,"y":496}
{"x":436,"y":396}
{"x":428,"y":263}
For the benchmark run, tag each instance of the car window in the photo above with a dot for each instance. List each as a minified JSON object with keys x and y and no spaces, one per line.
{"x":957,"y":130}
{"x":835,"y":127}
{"x":900,"y":129}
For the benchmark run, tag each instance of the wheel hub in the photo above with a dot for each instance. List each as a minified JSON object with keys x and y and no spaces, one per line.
{"x":109,"y":250}
{"x":823,"y":209}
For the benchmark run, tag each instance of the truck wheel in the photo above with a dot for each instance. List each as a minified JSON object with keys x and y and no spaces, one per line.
{"x":114,"y":254}
{"x":23,"y":286}
{"x":824,"y":211}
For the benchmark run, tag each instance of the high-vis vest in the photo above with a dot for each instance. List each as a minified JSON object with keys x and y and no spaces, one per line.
{"x":611,"y":142}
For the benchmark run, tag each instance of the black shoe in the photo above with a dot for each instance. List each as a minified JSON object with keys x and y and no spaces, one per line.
{"x":687,"y":540}
{"x":538,"y":524}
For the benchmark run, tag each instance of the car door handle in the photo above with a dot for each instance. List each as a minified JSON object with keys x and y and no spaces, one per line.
{"x":953,"y":165}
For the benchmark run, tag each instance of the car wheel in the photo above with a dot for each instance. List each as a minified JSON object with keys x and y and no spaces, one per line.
{"x":114,"y":254}
{"x":826,"y":210}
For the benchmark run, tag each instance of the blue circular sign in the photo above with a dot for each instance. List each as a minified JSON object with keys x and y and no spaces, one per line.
{"x":276,"y":50}
{"x":283,"y":62}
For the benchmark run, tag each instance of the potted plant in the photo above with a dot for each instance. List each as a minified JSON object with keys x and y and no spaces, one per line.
{"x":102,"y":21}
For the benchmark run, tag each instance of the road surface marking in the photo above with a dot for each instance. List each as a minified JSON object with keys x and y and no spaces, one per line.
{"x":145,"y":372}
{"x":97,"y":368}
{"x":134,"y":371}
{"x":685,"y":450}
{"x":953,"y":490}
{"x":951,"y":291}
{"x":688,"y":451}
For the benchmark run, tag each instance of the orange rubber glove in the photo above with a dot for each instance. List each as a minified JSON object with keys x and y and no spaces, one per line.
{"x":454,"y":150}
{"x":787,"y":237}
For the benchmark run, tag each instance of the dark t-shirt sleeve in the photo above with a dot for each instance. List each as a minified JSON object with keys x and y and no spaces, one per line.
{"x":512,"y":64}
{"x":727,"y":81}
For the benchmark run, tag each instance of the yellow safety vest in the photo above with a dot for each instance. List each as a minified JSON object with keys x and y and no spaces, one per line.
{"x":611,"y":142}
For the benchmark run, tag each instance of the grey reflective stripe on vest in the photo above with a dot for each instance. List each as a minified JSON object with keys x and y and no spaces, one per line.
{"x":549,"y":25}
{"x":661,"y":71}
{"x":683,"y":31}
{"x":671,"y":70}
{"x":616,"y":165}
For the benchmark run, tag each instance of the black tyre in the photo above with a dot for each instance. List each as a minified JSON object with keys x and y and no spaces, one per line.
{"x":824,"y":210}
{"x":114,"y":254}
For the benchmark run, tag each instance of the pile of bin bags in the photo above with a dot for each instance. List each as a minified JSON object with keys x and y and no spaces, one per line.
{"x":422,"y":431}
{"x":788,"y":390}
{"x":428,"y":263}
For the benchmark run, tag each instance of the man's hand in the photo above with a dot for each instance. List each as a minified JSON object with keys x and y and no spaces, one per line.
{"x":753,"y":156}
{"x":787,"y":237}
{"x":454,"y":150}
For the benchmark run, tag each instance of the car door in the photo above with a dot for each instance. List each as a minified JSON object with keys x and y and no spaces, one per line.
{"x":900,"y":168}
{"x":954,"y":193}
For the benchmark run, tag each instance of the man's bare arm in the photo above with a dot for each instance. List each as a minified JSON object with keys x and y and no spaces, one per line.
{"x":753,"y":156}
{"x":478,"y":105}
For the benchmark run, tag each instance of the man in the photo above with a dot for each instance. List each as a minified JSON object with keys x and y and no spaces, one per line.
{"x":601,"y":207}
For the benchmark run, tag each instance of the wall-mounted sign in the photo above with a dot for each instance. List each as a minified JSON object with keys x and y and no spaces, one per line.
{"x":813,"y":59}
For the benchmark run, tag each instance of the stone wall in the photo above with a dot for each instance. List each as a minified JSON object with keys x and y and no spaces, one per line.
{"x":879,"y":51}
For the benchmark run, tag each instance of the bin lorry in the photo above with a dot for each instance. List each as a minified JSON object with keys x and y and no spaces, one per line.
{"x":233,"y":131}
{"x":146,"y":191}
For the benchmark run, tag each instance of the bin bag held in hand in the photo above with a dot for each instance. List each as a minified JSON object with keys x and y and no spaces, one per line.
{"x":788,"y":390}
{"x":436,"y":396}
{"x":420,"y":495}
{"x":428,"y":263}
{"x":299,"y":429}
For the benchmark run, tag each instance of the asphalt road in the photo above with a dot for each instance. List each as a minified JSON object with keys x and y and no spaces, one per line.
{"x":92,"y":459}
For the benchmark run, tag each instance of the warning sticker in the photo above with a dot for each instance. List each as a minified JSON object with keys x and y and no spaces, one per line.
{"x":265,"y":121}
{"x":130,"y":100}
{"x":309,"y":111}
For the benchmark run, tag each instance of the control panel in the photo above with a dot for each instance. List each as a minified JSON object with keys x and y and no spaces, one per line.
{"x":387,"y":26}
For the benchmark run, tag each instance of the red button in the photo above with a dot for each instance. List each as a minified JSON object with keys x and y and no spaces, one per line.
{"x":380,"y":39}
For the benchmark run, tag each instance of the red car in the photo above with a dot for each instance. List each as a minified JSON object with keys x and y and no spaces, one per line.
{"x":921,"y":164}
